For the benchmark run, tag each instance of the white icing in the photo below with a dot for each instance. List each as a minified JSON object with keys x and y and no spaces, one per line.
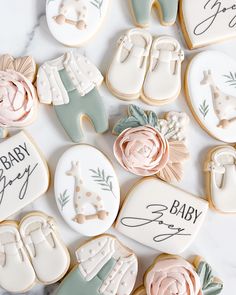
{"x":208,"y":85}
{"x":222,"y":169}
{"x":166,"y":219}
{"x":84,"y":76}
{"x":208,"y":21}
{"x":21,"y":163}
{"x":48,"y":255}
{"x":73,"y":22}
{"x":88,"y":222}
{"x":97,"y":252}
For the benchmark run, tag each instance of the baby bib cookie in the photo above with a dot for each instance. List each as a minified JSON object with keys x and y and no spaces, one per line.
{"x":141,"y":10}
{"x":147,"y":145}
{"x":70,"y":83}
{"x":161,"y":216}
{"x":220,"y":171}
{"x":74,"y":22}
{"x":171,"y":274}
{"x":24,"y":174}
{"x":87,"y":191}
{"x":18,"y":99}
{"x":207,"y":21}
{"x":105,"y":266}
{"x":211,"y":93}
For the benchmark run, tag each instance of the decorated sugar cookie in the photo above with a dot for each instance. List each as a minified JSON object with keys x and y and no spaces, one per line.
{"x":211,"y":22}
{"x":31,"y":251}
{"x":141,"y":10}
{"x":18,"y":99}
{"x":220,"y":171}
{"x":211,"y":93}
{"x":24,"y":174}
{"x":87,"y":191}
{"x":70,"y":83}
{"x":73,"y":22}
{"x":147,"y":145}
{"x":105,"y":266}
{"x":174,"y":275}
{"x":161,"y":216}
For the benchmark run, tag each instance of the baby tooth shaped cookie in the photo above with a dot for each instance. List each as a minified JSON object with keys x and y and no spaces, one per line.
{"x":207,"y":21}
{"x":211,"y":93}
{"x":161,"y":216}
{"x":105,"y":266}
{"x":24,"y":174}
{"x":220,"y":170}
{"x":87,"y":191}
{"x":73,"y":22}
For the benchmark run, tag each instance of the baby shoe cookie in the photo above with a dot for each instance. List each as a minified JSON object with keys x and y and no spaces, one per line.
{"x":18,"y":99}
{"x":220,"y":171}
{"x":174,"y":275}
{"x":87,"y":191}
{"x":24,"y":174}
{"x":70,"y":83}
{"x":74,"y":22}
{"x":105,"y":266}
{"x":161,"y":216}
{"x":141,"y":10}
{"x":147,"y":145}
{"x":211,"y":93}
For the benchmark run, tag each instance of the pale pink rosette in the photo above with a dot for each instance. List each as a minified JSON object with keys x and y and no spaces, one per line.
{"x":143,"y":150}
{"x":18,"y":100}
{"x":172,"y":276}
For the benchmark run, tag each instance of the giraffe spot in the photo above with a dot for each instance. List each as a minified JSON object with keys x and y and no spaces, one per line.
{"x":77,"y":189}
{"x":99,"y":198}
{"x":216,"y":95}
{"x":227,"y":98}
{"x":88,"y":194}
{"x":218,"y":112}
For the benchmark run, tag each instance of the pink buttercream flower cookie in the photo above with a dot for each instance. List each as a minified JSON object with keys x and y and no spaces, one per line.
{"x":147,"y":145}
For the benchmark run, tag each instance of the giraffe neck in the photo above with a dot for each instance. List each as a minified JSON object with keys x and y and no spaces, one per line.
{"x":78,"y":181}
{"x":214,"y":89}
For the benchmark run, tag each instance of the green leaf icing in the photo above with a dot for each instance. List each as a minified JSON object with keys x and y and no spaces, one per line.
{"x":204,"y":109}
{"x":210,"y":286}
{"x":63,"y":199}
{"x":103,"y":180}
{"x":231,"y":79}
{"x":98,"y":4}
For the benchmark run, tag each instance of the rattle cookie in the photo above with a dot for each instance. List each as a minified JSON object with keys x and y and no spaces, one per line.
{"x":211,"y":93}
{"x":207,"y":21}
{"x":141,"y":10}
{"x":18,"y":99}
{"x":73,"y":22}
{"x":31,"y":251}
{"x":105,"y":266}
{"x":161,"y":216}
{"x":70,"y":83}
{"x":24,"y":174}
{"x":171,"y":274}
{"x":87,"y":191}
{"x":147,"y":145}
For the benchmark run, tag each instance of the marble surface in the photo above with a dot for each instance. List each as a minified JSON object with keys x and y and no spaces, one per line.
{"x":23,"y":31}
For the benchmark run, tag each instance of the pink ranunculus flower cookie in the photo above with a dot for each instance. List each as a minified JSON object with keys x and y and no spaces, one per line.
{"x":142,"y":150}
{"x":18,"y":100}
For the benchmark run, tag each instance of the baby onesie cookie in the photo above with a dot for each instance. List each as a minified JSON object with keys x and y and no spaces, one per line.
{"x":105,"y":266}
{"x":87,"y":191}
{"x":147,"y":145}
{"x":31,"y":251}
{"x":211,"y":93}
{"x":207,"y":21}
{"x":171,"y":274}
{"x":220,"y":171}
{"x":24,"y":174}
{"x":161,"y":216}
{"x":70,"y":83}
{"x":73,"y":22}
{"x":143,"y":65}
{"x":167,"y":9}
{"x":18,"y":99}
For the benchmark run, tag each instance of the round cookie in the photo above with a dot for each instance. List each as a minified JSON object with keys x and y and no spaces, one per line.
{"x":87,"y":191}
{"x":74,"y":22}
{"x":211,"y":93}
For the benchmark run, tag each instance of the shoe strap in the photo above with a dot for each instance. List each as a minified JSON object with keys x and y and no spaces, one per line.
{"x":213,"y":167}
{"x":168,"y":55}
{"x":135,"y":50}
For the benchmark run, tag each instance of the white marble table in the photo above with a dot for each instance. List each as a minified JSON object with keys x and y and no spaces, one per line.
{"x":23,"y":31}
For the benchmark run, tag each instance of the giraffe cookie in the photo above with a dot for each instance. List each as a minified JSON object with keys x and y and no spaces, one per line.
{"x":211,"y":94}
{"x":87,"y":190}
{"x":73,"y":22}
